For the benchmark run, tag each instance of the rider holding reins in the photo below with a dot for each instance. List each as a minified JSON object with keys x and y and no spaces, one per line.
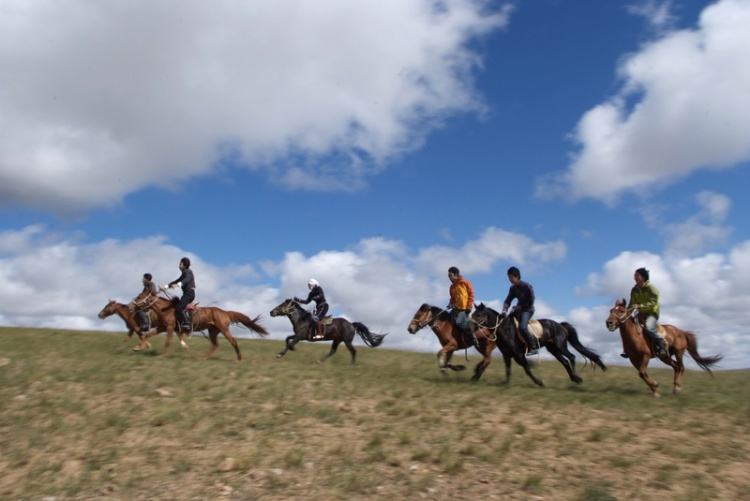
{"x":187,"y":282}
{"x":461,"y":302}
{"x":523,"y":292}
{"x":645,"y":298}
{"x":317,"y":296}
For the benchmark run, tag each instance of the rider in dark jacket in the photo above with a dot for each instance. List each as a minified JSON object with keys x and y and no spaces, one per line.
{"x":523,"y":292}
{"x":187,"y":282}
{"x":317,"y":296}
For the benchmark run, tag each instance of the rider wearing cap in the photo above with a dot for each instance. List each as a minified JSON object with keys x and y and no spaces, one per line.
{"x":317,"y":296}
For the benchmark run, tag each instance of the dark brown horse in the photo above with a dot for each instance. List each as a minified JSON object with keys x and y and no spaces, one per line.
{"x":441,"y":324}
{"x":210,"y":318}
{"x":553,"y":336}
{"x":640,"y":350}
{"x":339,"y":330}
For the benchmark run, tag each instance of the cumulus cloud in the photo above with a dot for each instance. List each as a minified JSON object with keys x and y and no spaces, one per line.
{"x":120,"y":95}
{"x":683,"y":106}
{"x":658,"y":13}
{"x":60,"y":282}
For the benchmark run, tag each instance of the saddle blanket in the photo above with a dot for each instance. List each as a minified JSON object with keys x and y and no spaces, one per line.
{"x":535,"y":328}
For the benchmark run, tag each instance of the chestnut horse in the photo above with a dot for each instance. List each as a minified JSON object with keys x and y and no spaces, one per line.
{"x":440,"y":322}
{"x":210,"y":318}
{"x":126,"y":314}
{"x":555,"y":338}
{"x":340,"y":330}
{"x":640,"y":351}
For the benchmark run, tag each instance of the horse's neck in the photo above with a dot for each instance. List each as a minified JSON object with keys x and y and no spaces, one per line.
{"x":124,"y":313}
{"x":630,"y":329}
{"x":298,"y":317}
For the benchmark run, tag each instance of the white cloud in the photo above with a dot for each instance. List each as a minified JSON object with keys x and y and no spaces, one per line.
{"x":53,"y":281}
{"x":683,"y":106}
{"x":658,"y":13}
{"x":115,"y":96}
{"x":703,"y":230}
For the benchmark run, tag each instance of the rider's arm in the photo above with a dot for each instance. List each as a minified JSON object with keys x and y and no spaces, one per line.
{"x":179,"y":280}
{"x":306,"y":301}
{"x":511,"y":295}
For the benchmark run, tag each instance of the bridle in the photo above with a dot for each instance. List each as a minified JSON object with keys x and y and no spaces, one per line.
{"x":621,"y":319}
{"x":493,"y":330}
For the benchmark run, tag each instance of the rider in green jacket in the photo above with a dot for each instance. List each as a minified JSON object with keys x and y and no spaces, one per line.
{"x":645,"y":297}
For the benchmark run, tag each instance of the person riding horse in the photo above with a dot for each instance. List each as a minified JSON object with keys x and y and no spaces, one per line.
{"x":187,"y":282}
{"x":462,"y":299}
{"x":142,"y":302}
{"x":523,"y":292}
{"x":645,"y":297}
{"x":317,"y":296}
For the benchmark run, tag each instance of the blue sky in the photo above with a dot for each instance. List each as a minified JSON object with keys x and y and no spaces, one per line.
{"x":485,"y":149}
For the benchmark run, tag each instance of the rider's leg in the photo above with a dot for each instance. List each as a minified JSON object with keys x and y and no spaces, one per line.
{"x":320,"y":313}
{"x":523,"y":324}
{"x":650,"y":323}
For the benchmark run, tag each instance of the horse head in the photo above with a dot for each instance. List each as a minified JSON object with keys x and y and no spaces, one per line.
{"x":288,"y":307}
{"x":109,"y":309}
{"x":421,"y":318}
{"x":617,"y":315}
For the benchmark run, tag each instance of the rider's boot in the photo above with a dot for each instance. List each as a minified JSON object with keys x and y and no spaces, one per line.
{"x":532,"y":345}
{"x":318,"y":331}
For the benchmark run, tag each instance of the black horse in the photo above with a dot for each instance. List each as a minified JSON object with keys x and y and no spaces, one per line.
{"x":337,"y":331}
{"x":555,"y":338}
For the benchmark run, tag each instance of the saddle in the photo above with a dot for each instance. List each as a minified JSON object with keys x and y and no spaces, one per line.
{"x":327,"y":320}
{"x":535,"y":328}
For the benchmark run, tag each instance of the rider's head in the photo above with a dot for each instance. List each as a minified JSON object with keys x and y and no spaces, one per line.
{"x":453,"y":273}
{"x":641,"y":276}
{"x":312,"y":283}
{"x":184,"y":263}
{"x":147,"y":278}
{"x":514,"y":275}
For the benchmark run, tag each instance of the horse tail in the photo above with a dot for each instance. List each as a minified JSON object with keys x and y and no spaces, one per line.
{"x":370,"y":338}
{"x":576,"y":343}
{"x":251,"y":323}
{"x":705,"y":363}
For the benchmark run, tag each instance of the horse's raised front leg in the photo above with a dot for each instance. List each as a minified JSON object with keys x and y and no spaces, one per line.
{"x":486,"y":351}
{"x":289,"y":343}
{"x":651,"y":383}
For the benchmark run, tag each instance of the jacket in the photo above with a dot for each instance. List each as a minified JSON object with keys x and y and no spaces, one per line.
{"x":647,"y":297}
{"x":462,"y":294}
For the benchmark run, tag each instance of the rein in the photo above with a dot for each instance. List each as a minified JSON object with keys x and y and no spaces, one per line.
{"x":493,"y":330}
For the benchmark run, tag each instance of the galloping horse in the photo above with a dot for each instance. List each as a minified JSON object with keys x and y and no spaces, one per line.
{"x":340,"y":329}
{"x":210,"y":318}
{"x":555,"y":337}
{"x":441,"y":324}
{"x":126,"y":314}
{"x":640,"y":351}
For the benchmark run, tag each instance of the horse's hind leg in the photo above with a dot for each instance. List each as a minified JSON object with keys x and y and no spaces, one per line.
{"x":569,"y":355}
{"x":564,"y":361}
{"x":334,"y":347}
{"x":679,"y":372}
{"x":213,"y":336}
{"x":350,"y":347}
{"x":233,"y":341}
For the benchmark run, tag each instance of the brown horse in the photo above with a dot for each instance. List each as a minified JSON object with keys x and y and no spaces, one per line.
{"x":639,"y":350}
{"x":210,"y":318}
{"x":441,"y":324}
{"x":126,"y":314}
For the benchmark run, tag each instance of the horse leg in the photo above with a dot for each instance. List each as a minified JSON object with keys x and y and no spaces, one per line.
{"x":569,"y":355}
{"x":678,"y":373}
{"x":652,"y":384}
{"x":349,"y":346}
{"x":229,"y":337}
{"x":334,"y":347}
{"x":564,"y":361}
{"x":168,"y":341}
{"x":444,"y":355}
{"x":523,"y":362}
{"x":482,"y":366}
{"x":289,"y":343}
{"x":213,"y":336}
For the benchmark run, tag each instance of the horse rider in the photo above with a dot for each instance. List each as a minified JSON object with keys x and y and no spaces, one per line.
{"x":186,"y":281}
{"x":645,"y":297}
{"x":317,"y":296}
{"x":462,"y":299}
{"x":523,"y":293}
{"x":143,"y":301}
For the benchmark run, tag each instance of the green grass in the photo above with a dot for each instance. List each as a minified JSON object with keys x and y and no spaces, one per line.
{"x":82,"y":416}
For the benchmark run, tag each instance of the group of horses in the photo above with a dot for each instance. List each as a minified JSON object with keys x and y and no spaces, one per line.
{"x":489,"y":329}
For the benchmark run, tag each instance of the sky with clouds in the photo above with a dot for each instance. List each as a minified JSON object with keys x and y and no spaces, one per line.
{"x":373,"y":144}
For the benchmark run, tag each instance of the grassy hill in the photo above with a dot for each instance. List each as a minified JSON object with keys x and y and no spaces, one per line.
{"x":82,"y":416}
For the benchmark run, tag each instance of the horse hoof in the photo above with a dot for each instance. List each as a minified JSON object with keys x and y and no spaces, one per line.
{"x":279,"y":355}
{"x":578,"y":380}
{"x":459,"y":367}
{"x":657,"y":395}
{"x":677,"y":390}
